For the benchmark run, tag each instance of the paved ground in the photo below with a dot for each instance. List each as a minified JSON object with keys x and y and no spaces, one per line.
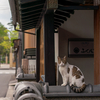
{"x":5,"y":77}
{"x":4,"y":83}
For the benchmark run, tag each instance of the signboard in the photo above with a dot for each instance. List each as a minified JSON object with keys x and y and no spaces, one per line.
{"x":80,"y":47}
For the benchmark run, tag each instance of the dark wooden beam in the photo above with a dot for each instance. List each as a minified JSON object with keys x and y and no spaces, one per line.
{"x":30,"y":33}
{"x":58,"y":20}
{"x":49,"y":60}
{"x":69,"y":11}
{"x":59,"y":12}
{"x":38,"y":55}
{"x":32,"y":11}
{"x":27,"y":28}
{"x":32,"y":15}
{"x":31,"y":4}
{"x":30,"y":19}
{"x":30,"y":24}
{"x":56,"y":26}
{"x":60,"y":17}
{"x":28,"y":1}
{"x":57,"y":23}
{"x":78,"y":7}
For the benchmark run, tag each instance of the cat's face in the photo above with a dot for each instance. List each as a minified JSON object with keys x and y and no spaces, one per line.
{"x":62,"y":61}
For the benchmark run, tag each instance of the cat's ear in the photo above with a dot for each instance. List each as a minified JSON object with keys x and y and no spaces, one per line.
{"x":65,"y":57}
{"x":58,"y":58}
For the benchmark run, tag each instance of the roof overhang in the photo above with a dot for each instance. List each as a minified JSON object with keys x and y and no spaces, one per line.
{"x":29,"y":13}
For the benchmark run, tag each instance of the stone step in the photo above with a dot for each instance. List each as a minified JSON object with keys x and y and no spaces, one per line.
{"x":6,"y":98}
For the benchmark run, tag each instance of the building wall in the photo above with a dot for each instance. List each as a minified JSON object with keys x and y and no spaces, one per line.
{"x":80,"y":25}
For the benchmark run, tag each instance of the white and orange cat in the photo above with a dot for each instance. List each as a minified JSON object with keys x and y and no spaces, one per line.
{"x":71,"y":75}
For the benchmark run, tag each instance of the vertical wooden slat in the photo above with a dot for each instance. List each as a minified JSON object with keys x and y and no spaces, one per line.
{"x":41,"y":51}
{"x":49,"y":61}
{"x":30,"y":41}
{"x":97,"y":46}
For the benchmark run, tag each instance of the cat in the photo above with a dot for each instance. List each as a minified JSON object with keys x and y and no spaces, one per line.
{"x":71,"y":75}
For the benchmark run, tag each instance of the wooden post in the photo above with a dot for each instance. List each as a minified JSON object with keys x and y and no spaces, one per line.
{"x":97,"y":46}
{"x":11,"y":61}
{"x":38,"y":55}
{"x":49,"y":59}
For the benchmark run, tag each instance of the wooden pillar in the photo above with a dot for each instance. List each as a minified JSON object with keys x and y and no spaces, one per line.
{"x":49,"y":60}
{"x":22,"y":44}
{"x":38,"y":55}
{"x":97,"y":46}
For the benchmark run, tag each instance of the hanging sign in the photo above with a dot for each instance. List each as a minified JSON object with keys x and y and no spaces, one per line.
{"x":80,"y":47}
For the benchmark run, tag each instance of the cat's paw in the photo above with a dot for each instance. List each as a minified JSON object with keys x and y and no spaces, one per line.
{"x":63,"y":84}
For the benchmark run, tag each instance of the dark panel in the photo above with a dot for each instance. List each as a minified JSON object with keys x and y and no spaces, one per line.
{"x":78,"y":7}
{"x":62,"y":13}
{"x":60,"y":17}
{"x":38,"y":55}
{"x":49,"y":61}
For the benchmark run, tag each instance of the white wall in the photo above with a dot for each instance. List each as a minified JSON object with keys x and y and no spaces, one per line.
{"x":79,"y":25}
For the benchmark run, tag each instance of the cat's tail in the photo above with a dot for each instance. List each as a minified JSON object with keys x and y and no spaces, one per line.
{"x":78,"y":89}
